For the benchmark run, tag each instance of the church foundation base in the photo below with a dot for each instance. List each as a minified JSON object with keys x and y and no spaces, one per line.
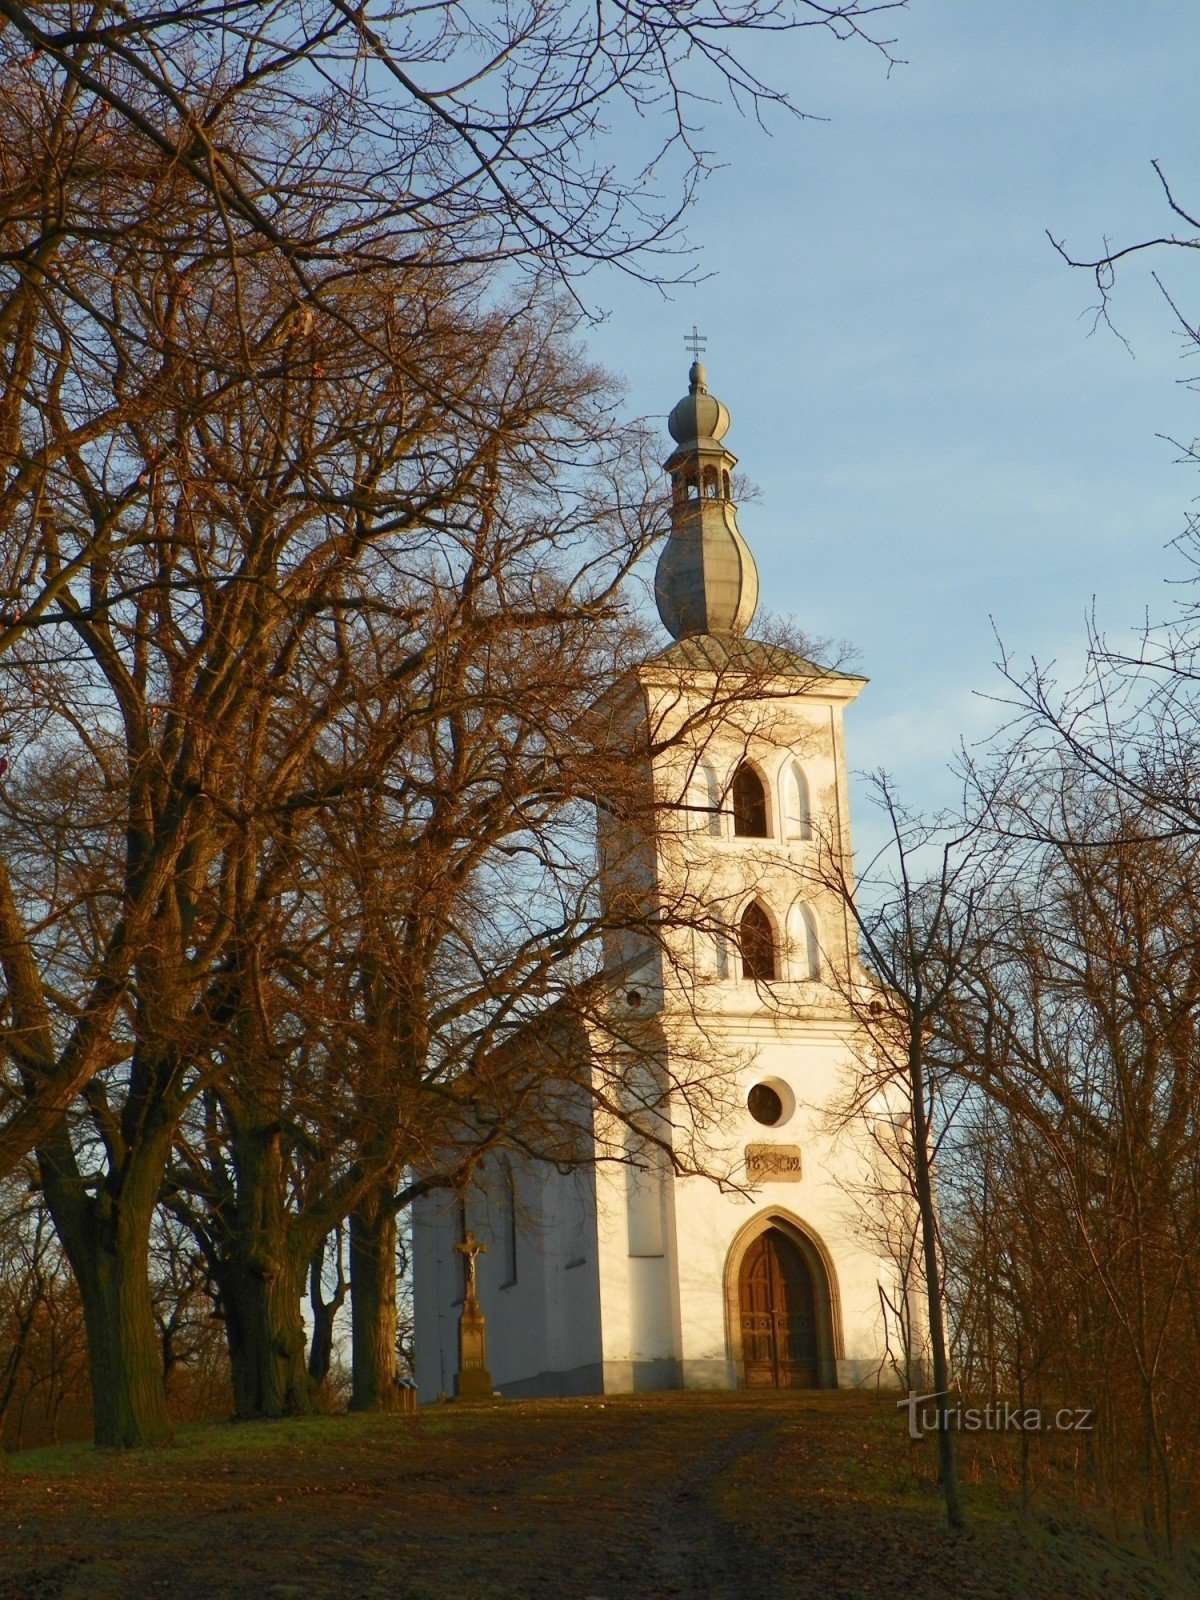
{"x":709,"y":1375}
{"x":600,"y":1377}
{"x":587,"y":1379}
{"x":643,"y":1377}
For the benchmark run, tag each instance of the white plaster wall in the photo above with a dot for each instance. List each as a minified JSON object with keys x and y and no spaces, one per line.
{"x":612,"y":1247}
{"x":638,"y":1280}
{"x":437,"y":1283}
{"x":672,"y":1307}
{"x":571,"y":1280}
{"x":825,"y":1203}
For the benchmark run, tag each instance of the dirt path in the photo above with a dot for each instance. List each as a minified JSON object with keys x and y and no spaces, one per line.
{"x":664,"y":1533}
{"x":681,"y":1545}
{"x":657,"y":1497}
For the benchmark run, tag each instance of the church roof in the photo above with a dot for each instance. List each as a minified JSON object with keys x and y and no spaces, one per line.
{"x":709,"y":652}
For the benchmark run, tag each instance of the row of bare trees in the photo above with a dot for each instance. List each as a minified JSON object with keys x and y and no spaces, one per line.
{"x":1037,"y":1001}
{"x":316,"y":534}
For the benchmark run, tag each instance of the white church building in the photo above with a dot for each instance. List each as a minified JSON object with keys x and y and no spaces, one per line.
{"x":769,"y":1267}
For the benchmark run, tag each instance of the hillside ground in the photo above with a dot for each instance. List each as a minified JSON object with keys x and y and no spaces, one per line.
{"x":644,"y":1497}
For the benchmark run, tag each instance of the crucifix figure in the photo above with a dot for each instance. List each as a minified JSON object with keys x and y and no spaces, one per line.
{"x":469,"y":1249}
{"x":695,"y":342}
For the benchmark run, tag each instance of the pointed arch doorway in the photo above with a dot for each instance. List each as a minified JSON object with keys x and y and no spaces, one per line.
{"x":780,"y":1314}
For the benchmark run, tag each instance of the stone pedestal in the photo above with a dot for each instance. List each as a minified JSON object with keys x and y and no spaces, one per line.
{"x":473,"y":1380}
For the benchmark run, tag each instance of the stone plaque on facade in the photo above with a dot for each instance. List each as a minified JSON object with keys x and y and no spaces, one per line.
{"x":773,"y":1163}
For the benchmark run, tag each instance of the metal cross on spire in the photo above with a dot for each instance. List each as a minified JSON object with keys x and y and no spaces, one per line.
{"x":695,"y":342}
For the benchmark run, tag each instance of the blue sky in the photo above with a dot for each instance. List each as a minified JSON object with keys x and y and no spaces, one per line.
{"x":938,"y":441}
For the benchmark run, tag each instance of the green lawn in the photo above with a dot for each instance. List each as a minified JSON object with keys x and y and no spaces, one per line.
{"x":632,"y":1498}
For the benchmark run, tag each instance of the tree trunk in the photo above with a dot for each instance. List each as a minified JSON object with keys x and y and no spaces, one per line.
{"x":324,"y":1312}
{"x":106,"y":1238}
{"x":261,"y":1280}
{"x":260,"y":1293}
{"x":128,"y":1398}
{"x":373,"y":1302}
{"x":947,"y":1464}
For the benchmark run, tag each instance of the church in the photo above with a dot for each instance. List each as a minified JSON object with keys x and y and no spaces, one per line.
{"x":767,"y":1262}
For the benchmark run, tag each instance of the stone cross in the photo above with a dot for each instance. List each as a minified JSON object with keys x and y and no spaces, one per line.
{"x":474,"y":1381}
{"x":696,"y":342}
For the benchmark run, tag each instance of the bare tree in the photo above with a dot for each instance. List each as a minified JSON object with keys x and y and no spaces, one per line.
{"x":475,"y":136}
{"x":1131,"y":720}
{"x":325,"y":1311}
{"x":1078,"y":1021}
{"x":915,"y":910}
{"x":421,"y":994}
{"x":1103,"y":267}
{"x":42,"y":1346}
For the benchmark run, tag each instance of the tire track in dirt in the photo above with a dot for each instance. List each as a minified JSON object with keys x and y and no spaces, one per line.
{"x":688,"y":1547}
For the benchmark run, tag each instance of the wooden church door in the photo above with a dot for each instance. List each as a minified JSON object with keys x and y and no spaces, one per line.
{"x":778,"y":1309}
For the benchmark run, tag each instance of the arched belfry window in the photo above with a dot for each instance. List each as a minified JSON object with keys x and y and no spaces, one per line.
{"x":796,"y":802}
{"x":749,"y":804}
{"x":758,"y":944}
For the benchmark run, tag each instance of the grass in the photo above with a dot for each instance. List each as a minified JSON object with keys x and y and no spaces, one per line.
{"x":646,"y":1497}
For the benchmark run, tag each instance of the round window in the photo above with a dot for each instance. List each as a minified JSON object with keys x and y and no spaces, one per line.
{"x":765,"y":1105}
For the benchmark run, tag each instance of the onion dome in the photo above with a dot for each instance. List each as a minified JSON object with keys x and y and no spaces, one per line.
{"x":699,"y":415}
